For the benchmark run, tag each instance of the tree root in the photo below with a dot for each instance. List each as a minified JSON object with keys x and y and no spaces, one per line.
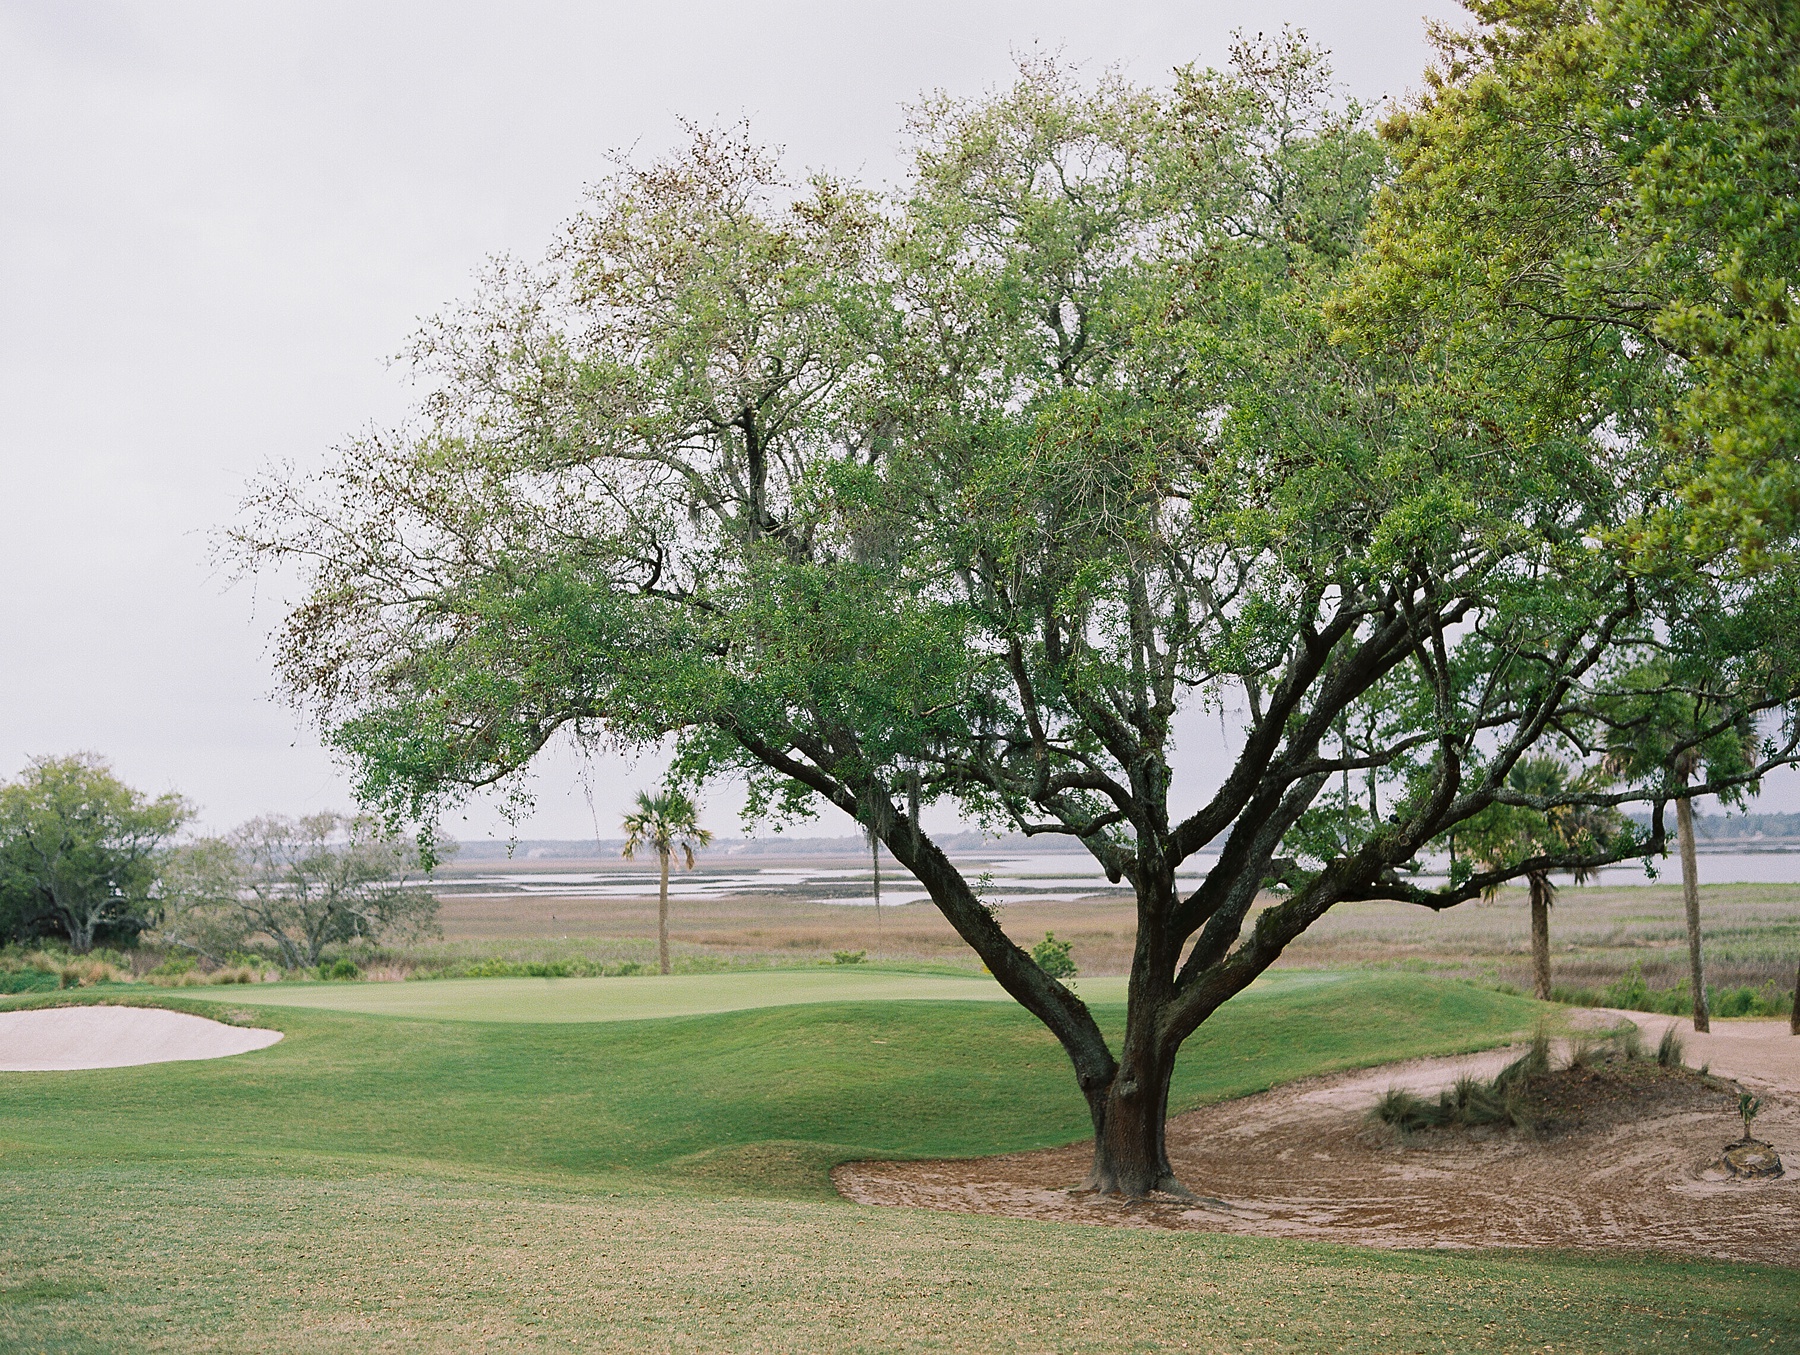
{"x":1106,"y":1186}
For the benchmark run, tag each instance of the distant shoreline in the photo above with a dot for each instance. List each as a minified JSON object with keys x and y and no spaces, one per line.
{"x":486,"y":850}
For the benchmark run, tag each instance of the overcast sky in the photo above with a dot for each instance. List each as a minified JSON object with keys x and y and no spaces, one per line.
{"x":220,"y":220}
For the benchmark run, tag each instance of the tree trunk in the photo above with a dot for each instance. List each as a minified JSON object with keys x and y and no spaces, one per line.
{"x":1131,"y":1155}
{"x":1690,"y":897}
{"x":662,"y":917}
{"x":1540,"y":936}
{"x":77,"y":921}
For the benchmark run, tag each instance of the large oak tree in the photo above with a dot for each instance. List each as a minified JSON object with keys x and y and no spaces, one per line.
{"x":961,"y":497}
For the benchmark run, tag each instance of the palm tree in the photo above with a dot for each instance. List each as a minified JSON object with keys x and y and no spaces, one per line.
{"x":665,"y":823}
{"x":1683,"y":767}
{"x":1794,"y":1012}
{"x":1674,"y":734}
{"x":1505,"y":835}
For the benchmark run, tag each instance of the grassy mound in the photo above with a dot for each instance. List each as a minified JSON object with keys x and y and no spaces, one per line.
{"x":1604,"y":1078}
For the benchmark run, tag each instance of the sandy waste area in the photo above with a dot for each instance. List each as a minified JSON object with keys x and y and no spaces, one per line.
{"x":62,"y":1039}
{"x":1305,"y":1161}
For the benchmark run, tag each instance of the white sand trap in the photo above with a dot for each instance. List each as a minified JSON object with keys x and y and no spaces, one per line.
{"x":60,"y":1039}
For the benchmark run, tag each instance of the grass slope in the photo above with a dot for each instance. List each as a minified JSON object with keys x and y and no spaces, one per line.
{"x":659,"y":1184}
{"x":824,"y":1082}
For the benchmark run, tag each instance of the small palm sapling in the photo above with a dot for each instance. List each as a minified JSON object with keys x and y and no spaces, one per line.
{"x":1748,"y":1107}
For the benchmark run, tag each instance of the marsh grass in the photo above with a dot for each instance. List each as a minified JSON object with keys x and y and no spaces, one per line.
{"x":1602,"y":932}
{"x":1617,"y":946}
{"x":1632,"y":992}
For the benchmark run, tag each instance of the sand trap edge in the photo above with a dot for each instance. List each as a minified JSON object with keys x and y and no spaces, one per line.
{"x":81,"y":1038}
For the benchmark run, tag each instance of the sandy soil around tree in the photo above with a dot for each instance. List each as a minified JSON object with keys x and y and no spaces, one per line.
{"x":62,"y":1039}
{"x":1304,"y":1160}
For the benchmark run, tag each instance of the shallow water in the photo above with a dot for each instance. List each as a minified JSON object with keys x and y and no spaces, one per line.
{"x":1044,"y":877}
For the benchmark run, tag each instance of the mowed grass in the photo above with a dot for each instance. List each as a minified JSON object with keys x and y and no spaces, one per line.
{"x":631,"y":999}
{"x":642,"y":998}
{"x":660,"y":1184}
{"x":767,"y":1098}
{"x":130,"y":1257}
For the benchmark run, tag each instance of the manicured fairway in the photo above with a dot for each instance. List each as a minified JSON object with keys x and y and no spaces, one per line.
{"x":660,"y":1184}
{"x":767,"y":1098}
{"x":628,"y":999}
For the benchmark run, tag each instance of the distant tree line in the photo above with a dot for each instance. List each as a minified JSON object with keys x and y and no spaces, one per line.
{"x":87,"y":861}
{"x":1742,"y":827}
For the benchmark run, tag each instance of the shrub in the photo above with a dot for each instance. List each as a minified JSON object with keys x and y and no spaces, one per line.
{"x":174,"y":966}
{"x":532,"y":969}
{"x":849,"y":956}
{"x":699,"y":964}
{"x":343,"y":969}
{"x":1404,"y":1111}
{"x":1054,"y":957}
{"x":1747,"y":1001}
{"x":28,"y":981}
{"x":1630,"y":992}
{"x":1585,"y":1051}
{"x":87,"y":970}
{"x":520,"y":969}
{"x":1471,"y":1101}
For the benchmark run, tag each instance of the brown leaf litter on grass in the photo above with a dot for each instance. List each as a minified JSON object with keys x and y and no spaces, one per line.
{"x":1621,"y":1156}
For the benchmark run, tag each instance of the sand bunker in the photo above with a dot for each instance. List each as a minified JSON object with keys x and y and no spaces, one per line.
{"x":59,"y":1039}
{"x":1305,"y":1161}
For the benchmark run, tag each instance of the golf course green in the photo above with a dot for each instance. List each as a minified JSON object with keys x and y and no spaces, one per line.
{"x":638,"y":998}
{"x":561,"y":1182}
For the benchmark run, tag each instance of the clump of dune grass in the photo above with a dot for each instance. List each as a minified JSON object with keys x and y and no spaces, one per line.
{"x":1469,"y":1103}
{"x":1629,"y":1041}
{"x":1585,"y":1050}
{"x":1500,"y":1102}
{"x":1669,"y":1050}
